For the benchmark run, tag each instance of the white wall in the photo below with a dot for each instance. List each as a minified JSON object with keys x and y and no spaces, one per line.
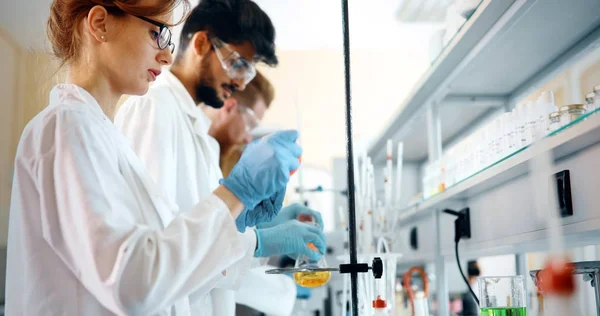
{"x":309,"y":87}
{"x":489,"y":266}
{"x":26,"y":80}
{"x":8,"y":90}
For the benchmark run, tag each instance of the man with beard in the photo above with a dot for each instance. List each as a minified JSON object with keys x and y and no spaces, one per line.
{"x":239,"y":116}
{"x":220,"y":44}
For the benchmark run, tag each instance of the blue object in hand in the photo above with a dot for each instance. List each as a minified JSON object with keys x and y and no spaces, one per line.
{"x":290,"y":238}
{"x":292,"y":212}
{"x":265,"y":211}
{"x":264,"y":168}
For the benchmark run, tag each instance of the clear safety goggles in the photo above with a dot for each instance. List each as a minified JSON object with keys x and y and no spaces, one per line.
{"x":251,"y":121}
{"x":236,"y":66}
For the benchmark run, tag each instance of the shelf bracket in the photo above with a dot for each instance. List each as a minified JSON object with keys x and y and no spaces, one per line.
{"x":434,"y":132}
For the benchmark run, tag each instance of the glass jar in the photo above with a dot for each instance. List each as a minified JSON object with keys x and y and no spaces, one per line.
{"x":570,"y":113}
{"x":554,"y":122}
{"x":589,"y":102}
{"x":597,"y":97}
{"x":502,"y":295}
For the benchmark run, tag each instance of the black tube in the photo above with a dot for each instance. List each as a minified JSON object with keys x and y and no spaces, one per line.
{"x":350,"y":156}
{"x":463,"y":274}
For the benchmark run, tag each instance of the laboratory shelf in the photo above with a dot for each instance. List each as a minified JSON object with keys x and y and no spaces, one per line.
{"x":503,"y":53}
{"x":457,"y":49}
{"x":571,"y":139}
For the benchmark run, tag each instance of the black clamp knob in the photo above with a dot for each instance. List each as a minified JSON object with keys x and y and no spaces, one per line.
{"x":376,"y":267}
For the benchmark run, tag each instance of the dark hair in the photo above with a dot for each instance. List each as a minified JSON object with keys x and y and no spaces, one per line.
{"x":473,"y":269}
{"x":62,"y":27}
{"x":259,"y":87}
{"x":234,"y":22}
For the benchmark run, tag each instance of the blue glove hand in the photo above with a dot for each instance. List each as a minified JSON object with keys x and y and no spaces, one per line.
{"x":265,"y":211}
{"x":264,"y":168}
{"x":292,"y":212}
{"x":290,"y":238}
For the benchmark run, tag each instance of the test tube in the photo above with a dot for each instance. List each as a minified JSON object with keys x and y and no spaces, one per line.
{"x":398,"y":181}
{"x":388,"y":175}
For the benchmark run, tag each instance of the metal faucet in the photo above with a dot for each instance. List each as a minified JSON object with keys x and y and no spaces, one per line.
{"x":590,"y":271}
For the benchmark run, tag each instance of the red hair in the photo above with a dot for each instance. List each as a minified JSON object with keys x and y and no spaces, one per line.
{"x":65,"y":15}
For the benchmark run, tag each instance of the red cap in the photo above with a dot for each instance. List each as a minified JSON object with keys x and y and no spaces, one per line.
{"x":557,"y":278}
{"x":379,"y":302}
{"x":305,"y":218}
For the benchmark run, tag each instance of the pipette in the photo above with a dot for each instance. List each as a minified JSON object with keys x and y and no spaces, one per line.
{"x":387,"y":179}
{"x":556,"y":281}
{"x":399,"y":166}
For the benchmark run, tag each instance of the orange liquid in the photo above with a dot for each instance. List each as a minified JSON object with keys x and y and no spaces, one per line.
{"x":312,"y":279}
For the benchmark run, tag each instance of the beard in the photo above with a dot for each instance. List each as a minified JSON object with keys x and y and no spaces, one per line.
{"x":208,"y":95}
{"x":205,"y":91}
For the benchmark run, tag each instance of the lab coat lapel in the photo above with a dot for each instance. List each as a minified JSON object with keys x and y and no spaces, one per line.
{"x":129,"y":161}
{"x":201,"y":124}
{"x":198,"y":123}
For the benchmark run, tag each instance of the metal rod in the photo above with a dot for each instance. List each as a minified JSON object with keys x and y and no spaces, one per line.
{"x":350,"y":156}
{"x":597,"y":291}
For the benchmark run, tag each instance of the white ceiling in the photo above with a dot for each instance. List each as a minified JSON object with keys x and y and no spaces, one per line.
{"x":317,"y":24}
{"x":306,"y":24}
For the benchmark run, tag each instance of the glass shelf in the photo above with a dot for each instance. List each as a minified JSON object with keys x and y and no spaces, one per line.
{"x":558,"y":131}
{"x":448,"y":44}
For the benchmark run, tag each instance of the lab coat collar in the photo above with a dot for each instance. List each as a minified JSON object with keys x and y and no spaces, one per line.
{"x":186,"y":102}
{"x":71,"y":93}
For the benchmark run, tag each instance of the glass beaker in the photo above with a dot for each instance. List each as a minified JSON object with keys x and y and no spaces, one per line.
{"x":502,"y":296}
{"x":311,"y":279}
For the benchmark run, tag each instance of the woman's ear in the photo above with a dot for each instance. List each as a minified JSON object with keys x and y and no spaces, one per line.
{"x":96,"y":23}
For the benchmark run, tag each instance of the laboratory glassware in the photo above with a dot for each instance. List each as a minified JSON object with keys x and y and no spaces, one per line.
{"x":570,"y":113}
{"x":419,"y":300}
{"x":502,"y":296}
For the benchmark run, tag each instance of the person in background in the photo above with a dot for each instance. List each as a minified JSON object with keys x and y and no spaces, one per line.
{"x":221,"y":43}
{"x":89,"y":231}
{"x":232,"y":127}
{"x":239,"y":115}
{"x":469,"y":306}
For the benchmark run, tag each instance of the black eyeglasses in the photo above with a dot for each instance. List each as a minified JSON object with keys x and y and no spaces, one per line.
{"x":163,"y":37}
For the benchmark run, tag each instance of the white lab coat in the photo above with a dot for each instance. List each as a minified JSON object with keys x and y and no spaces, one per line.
{"x":89,"y":232}
{"x":170,"y":134}
{"x":273,"y":295}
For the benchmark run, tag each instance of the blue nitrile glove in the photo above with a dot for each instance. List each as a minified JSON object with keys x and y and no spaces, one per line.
{"x":264,"y":168}
{"x":265,"y":211}
{"x":290,"y":238}
{"x":292,"y":212}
